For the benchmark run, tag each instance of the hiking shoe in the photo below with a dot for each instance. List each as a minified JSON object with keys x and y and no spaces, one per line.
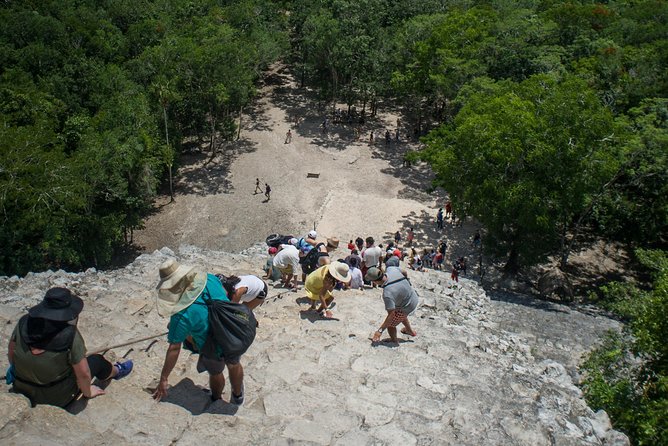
{"x":238,"y":400}
{"x":124,"y":369}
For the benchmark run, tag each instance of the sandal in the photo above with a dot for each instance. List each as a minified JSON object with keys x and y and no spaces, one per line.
{"x":404,"y":331}
{"x":124,"y":369}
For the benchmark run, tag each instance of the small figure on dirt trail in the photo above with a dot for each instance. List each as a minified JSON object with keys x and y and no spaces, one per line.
{"x":267,"y":191}
{"x":448,"y":209}
{"x":410,"y":237}
{"x":400,"y":300}
{"x":183,"y":293}
{"x":288,"y":137}
{"x":47,"y":355}
{"x":388,"y":137}
{"x":258,"y":189}
{"x":321,"y":282}
{"x":439,"y":219}
{"x":397,"y":238}
{"x":455,"y":271}
{"x":477,"y":240}
{"x":371,"y":138}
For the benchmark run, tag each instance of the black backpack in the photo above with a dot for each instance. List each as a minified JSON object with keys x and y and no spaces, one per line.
{"x":309,"y":262}
{"x":231,"y":326}
{"x":275,"y":240}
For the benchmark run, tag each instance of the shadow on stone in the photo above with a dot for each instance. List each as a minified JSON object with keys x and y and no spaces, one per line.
{"x":313,"y":316}
{"x":389,"y":344}
{"x":197,"y":399}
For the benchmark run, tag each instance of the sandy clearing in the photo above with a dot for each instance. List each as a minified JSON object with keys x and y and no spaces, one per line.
{"x":362,"y":189}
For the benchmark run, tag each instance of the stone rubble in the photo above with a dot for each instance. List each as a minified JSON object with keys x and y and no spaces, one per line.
{"x":498,"y":369}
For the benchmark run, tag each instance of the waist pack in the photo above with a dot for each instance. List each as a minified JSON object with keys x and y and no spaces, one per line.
{"x":231,"y":327}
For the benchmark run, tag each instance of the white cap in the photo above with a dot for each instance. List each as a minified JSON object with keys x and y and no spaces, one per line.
{"x":293,"y":241}
{"x":312,"y":234}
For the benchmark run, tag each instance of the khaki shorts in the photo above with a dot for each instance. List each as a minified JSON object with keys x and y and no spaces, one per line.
{"x":286,"y":270}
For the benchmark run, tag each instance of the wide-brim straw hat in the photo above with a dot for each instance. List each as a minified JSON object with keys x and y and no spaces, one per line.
{"x":340,"y":271}
{"x":333,"y":242}
{"x":179,"y":286}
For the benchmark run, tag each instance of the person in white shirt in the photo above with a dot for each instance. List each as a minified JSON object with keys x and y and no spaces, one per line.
{"x":287,"y":261}
{"x":356,"y":278}
{"x":249,"y":290}
{"x":371,"y":257}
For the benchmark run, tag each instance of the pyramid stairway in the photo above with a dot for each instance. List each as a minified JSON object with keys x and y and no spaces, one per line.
{"x":482,"y":370}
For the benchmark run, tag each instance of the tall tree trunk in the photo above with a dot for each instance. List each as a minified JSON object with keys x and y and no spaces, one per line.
{"x":169,"y":165}
{"x":212,"y":139}
{"x":566,"y":248}
{"x":241,"y":111}
{"x":512,"y":266}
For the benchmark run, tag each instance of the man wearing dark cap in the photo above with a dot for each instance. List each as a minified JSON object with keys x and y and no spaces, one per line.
{"x":400,"y":301}
{"x":47,"y":354}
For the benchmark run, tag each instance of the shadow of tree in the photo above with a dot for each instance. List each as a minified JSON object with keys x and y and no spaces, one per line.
{"x":428,"y":236}
{"x":531,"y":302}
{"x":199,"y":175}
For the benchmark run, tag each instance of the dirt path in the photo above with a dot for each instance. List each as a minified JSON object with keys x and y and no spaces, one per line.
{"x":361,"y":189}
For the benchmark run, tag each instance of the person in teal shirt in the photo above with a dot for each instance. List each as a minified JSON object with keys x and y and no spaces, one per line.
{"x":182,"y":295}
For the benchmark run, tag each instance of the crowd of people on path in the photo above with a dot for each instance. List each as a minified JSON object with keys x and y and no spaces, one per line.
{"x":47,"y":354}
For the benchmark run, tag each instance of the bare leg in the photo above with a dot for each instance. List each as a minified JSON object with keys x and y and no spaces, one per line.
{"x":408,"y":330}
{"x":217,"y":384}
{"x":392,"y":331}
{"x":236,"y":372}
{"x":254,"y":303}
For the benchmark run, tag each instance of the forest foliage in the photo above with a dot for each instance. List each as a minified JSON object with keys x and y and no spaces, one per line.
{"x":96,"y":99}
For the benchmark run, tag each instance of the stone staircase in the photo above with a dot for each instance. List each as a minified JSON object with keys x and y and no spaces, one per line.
{"x":481,"y":371}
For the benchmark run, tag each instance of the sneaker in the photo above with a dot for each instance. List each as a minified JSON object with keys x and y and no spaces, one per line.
{"x":238,"y":400}
{"x":124,"y":369}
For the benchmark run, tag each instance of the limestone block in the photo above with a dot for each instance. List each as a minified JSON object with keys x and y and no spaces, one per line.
{"x":310,"y":431}
{"x":600,"y":423}
{"x":356,"y":437}
{"x":52,"y":425}
{"x":12,"y":406}
{"x":427,"y":383}
{"x":297,"y":403}
{"x":392,"y":434}
{"x":288,"y":370}
{"x":210,"y":429}
{"x":523,"y":434}
{"x":615,"y":438}
{"x":373,"y":414}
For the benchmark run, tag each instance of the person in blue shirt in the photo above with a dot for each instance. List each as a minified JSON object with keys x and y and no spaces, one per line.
{"x":182,"y":293}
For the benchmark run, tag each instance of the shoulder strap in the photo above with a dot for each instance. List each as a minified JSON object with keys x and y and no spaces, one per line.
{"x":394,"y":281}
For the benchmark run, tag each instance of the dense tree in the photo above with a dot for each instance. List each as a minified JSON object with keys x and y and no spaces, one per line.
{"x":526,"y":160}
{"x":628,"y":375}
{"x":90,"y":93}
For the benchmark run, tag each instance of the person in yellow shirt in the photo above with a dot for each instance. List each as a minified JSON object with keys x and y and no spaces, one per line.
{"x":321,"y":282}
